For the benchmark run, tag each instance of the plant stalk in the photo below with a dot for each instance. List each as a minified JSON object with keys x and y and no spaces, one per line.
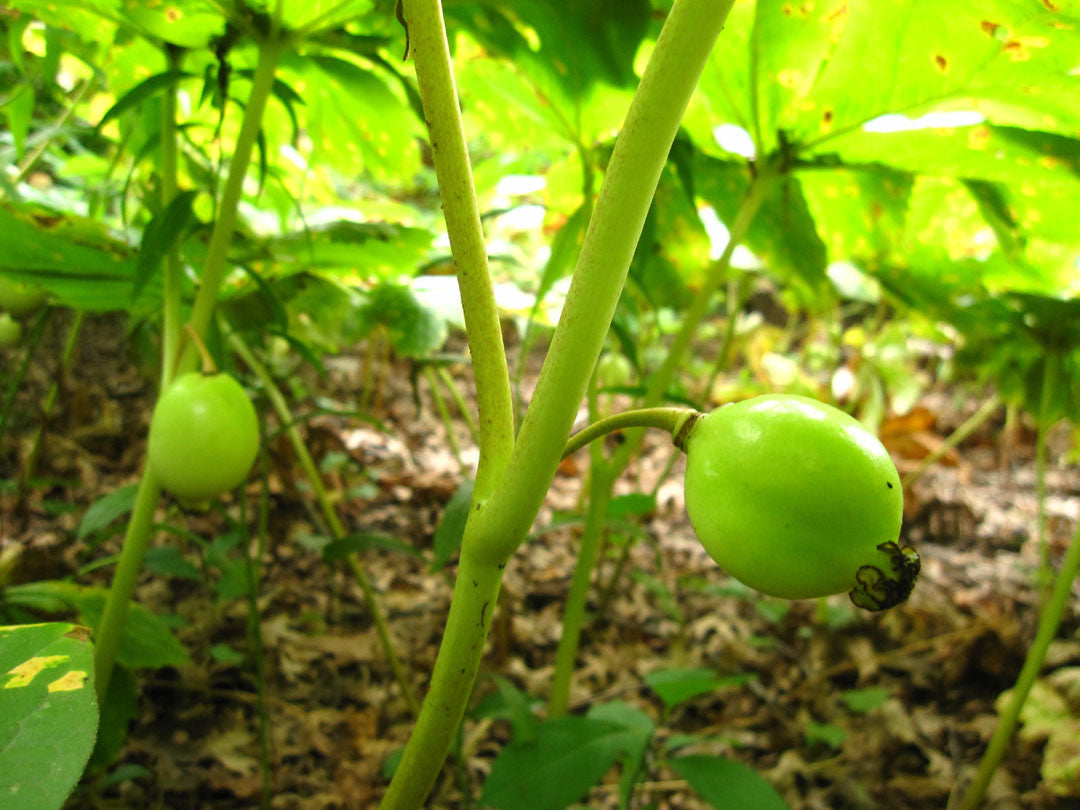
{"x":136,"y":540}
{"x":654,"y":394}
{"x":138,"y":534}
{"x":438,"y":95}
{"x":600,"y":489}
{"x":1045,"y":572}
{"x":217,"y":251}
{"x":497,"y":525}
{"x":444,"y":415}
{"x":1049,"y":621}
{"x":172,"y":276}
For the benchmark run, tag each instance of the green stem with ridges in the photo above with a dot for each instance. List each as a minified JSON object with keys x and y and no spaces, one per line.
{"x":497,"y":526}
{"x":625,"y":196}
{"x":330,"y":515}
{"x":1049,"y":621}
{"x":438,"y":94}
{"x":138,"y":534}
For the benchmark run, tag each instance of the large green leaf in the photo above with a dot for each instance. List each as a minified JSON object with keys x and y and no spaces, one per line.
{"x":357,"y":121}
{"x":367,"y":251}
{"x":76,"y":259}
{"x":187,"y":23}
{"x":1008,"y":59}
{"x":783,"y":234}
{"x":569,"y":45}
{"x":860,"y":213}
{"x":48,"y":712}
{"x":821,"y":71}
{"x":983,"y":152}
{"x":146,"y":641}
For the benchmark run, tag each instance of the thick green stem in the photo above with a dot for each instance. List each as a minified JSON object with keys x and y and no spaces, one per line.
{"x":136,"y":540}
{"x":476,"y":591}
{"x":330,"y":515}
{"x":600,"y":487}
{"x":632,"y":175}
{"x":438,"y":94}
{"x":497,"y":526}
{"x":970,"y":425}
{"x":1049,"y":621}
{"x":673,"y":420}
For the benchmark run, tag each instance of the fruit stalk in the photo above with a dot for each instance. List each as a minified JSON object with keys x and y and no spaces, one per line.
{"x":673,"y":420}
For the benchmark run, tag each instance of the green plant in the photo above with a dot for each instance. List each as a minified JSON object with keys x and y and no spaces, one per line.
{"x":10,"y":331}
{"x":515,"y":471}
{"x":798,"y":500}
{"x":204,"y":436}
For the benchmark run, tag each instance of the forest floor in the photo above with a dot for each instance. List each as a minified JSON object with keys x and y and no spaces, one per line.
{"x":929,"y":672}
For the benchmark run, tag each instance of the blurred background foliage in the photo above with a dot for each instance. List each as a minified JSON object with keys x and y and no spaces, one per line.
{"x":928,"y":194}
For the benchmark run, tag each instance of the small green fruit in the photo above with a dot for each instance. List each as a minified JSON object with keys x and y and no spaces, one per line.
{"x":204,"y":436}
{"x":614,"y":369}
{"x":18,"y":298}
{"x":798,"y":500}
{"x":10,"y":331}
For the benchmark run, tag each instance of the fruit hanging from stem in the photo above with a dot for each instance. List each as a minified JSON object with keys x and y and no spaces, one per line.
{"x":798,"y":500}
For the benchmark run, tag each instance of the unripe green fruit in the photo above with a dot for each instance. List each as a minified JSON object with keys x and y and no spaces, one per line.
{"x":614,"y":369}
{"x":798,"y":500}
{"x":204,"y":436}
{"x":18,"y":298}
{"x":10,"y":331}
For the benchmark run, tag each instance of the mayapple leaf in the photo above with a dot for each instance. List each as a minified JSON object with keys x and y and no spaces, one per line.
{"x":48,"y":712}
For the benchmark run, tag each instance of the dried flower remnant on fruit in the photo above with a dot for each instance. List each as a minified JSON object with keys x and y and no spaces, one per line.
{"x":878,"y":590}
